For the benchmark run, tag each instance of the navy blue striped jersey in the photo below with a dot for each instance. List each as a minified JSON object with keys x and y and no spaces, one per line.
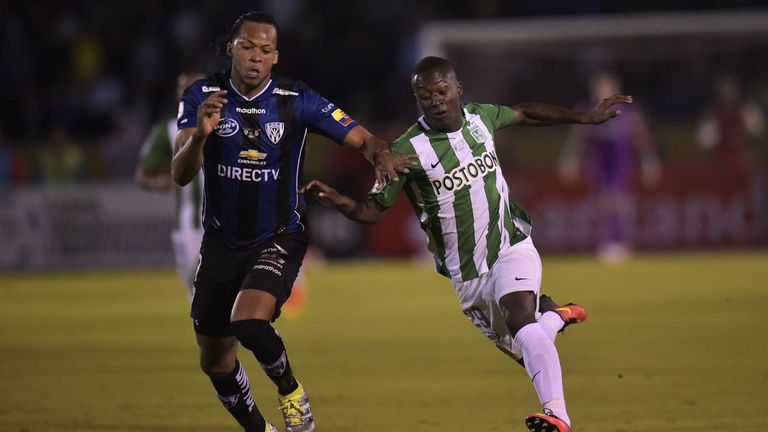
{"x":253,"y":160}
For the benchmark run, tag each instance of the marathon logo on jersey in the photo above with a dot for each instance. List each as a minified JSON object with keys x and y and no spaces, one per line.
{"x":227,"y":127}
{"x":274,"y":130}
{"x":247,"y":174}
{"x":465,"y":174}
{"x":341,"y":117}
{"x":251,"y":110}
{"x":211,"y":89}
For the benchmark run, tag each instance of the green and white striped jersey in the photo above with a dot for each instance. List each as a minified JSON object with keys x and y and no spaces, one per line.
{"x":156,"y":154}
{"x":459,"y":193}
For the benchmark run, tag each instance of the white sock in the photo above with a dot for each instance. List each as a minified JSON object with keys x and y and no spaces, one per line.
{"x":543,"y":366}
{"x":552,"y":323}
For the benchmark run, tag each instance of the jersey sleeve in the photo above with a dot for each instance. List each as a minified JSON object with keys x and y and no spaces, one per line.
{"x":500,"y":116}
{"x":193,"y":97}
{"x":156,"y":151}
{"x":387,"y":195}
{"x":325,"y":118}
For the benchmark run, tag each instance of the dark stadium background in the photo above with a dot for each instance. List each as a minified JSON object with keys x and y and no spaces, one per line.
{"x":82,"y":81}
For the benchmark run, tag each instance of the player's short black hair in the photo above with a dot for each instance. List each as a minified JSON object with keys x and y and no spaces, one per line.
{"x":254,"y":16}
{"x":432,"y":63}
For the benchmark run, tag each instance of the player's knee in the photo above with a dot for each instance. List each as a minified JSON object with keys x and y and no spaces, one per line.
{"x":519,"y":310}
{"x":217,"y":364}
{"x":253,"y":334}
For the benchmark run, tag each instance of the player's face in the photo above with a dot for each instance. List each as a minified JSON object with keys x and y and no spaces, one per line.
{"x":438,"y":95}
{"x":253,"y":52}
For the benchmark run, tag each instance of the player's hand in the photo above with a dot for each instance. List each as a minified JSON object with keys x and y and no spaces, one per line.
{"x":209,"y":112}
{"x":324,"y":194}
{"x":602,"y":112}
{"x":388,"y":164}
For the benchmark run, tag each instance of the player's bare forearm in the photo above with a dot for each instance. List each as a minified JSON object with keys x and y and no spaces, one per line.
{"x":367,"y":211}
{"x":360,"y":211}
{"x":377,"y":152}
{"x":187,"y":156}
{"x":541,"y":114}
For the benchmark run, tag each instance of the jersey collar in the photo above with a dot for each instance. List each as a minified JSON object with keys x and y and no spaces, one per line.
{"x":266,"y":90}
{"x":423,"y":122}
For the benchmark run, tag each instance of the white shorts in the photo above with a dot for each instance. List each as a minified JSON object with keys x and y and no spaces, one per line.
{"x":186,"y":250}
{"x":518,"y":268}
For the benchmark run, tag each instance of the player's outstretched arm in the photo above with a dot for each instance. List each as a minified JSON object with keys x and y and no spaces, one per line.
{"x":541,"y":114}
{"x":377,"y":152}
{"x":367,"y":211}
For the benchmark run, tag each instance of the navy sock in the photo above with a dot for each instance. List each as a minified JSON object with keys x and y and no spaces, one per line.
{"x":234,"y":392}
{"x":266,"y":344}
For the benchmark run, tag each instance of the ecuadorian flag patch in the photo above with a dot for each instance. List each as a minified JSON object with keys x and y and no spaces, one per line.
{"x":341,"y":117}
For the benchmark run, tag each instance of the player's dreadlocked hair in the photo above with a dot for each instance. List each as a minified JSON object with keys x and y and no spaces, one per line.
{"x":257,"y":17}
{"x":222,"y":61}
{"x":429,"y":64}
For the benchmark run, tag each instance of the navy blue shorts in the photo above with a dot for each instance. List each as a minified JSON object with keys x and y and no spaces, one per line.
{"x":272,"y":266}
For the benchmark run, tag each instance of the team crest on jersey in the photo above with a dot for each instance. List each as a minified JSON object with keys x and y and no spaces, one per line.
{"x":477,"y":133}
{"x":227,"y":127}
{"x":274,"y":130}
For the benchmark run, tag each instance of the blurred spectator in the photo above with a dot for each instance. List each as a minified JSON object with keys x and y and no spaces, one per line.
{"x":730,"y":126}
{"x":11,"y":168}
{"x":61,"y":161}
{"x":608,"y":153}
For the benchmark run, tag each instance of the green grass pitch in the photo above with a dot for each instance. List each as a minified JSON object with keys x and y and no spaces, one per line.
{"x":675,"y":342}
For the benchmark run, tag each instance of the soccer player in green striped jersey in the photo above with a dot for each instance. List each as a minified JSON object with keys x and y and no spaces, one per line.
{"x":480,"y":239}
{"x":154,"y":173}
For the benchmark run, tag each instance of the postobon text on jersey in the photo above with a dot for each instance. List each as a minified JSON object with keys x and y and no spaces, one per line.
{"x":465,"y":174}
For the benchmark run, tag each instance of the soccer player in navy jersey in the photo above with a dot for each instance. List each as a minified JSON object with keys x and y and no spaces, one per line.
{"x":247,"y":130}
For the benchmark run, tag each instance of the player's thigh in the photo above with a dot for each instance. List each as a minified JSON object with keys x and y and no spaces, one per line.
{"x":275,"y":266}
{"x":186,"y":251}
{"x":479,"y":305}
{"x":517,"y":269}
{"x":217,"y":283}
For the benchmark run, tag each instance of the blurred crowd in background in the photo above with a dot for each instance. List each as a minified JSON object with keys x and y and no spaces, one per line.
{"x":84,"y":80}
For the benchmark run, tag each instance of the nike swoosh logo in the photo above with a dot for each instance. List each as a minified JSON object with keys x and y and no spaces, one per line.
{"x":519,"y":278}
{"x":436,"y":163}
{"x":567,"y":309}
{"x":534,"y":375}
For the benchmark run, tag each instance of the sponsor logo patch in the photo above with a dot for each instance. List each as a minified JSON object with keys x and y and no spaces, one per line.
{"x":251,"y":110}
{"x":252,"y":155}
{"x":467,"y":173}
{"x":211,"y":89}
{"x":284,"y":92}
{"x":227,"y":127}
